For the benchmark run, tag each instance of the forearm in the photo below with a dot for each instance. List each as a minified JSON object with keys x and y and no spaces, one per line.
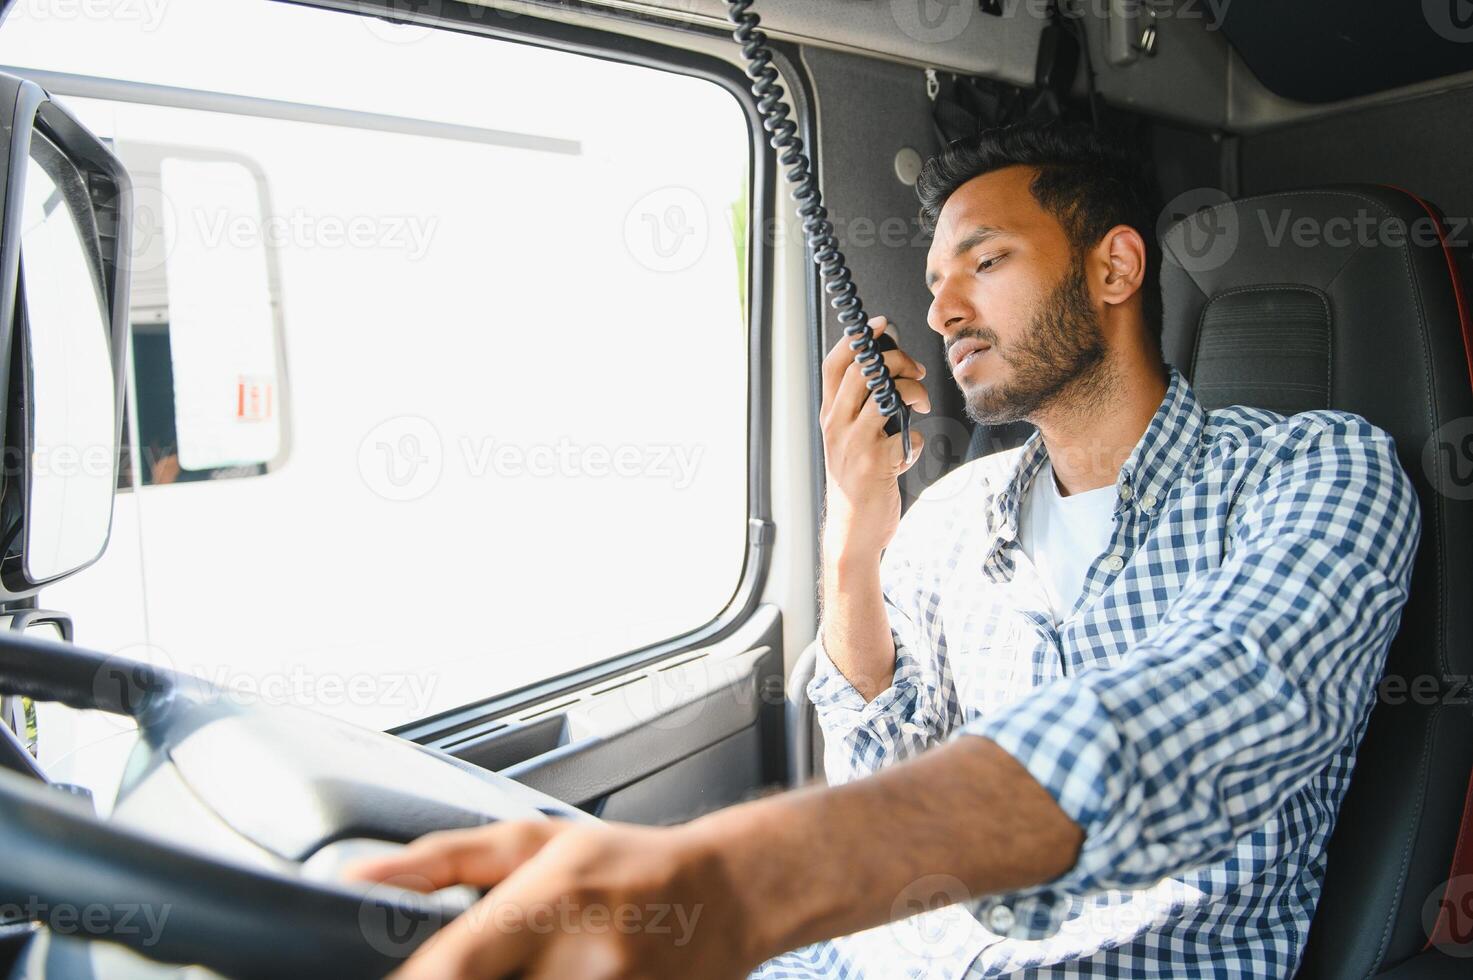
{"x":966,"y":810}
{"x":856,"y":631}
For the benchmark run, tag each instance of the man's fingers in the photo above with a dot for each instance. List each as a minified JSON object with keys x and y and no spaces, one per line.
{"x":840,"y":356}
{"x":895,"y":452}
{"x":490,"y":939}
{"x":912,"y":393}
{"x":480,"y":856}
{"x":854,"y":387}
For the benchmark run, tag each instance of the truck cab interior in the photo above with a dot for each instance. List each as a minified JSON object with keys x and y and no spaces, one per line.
{"x":338,"y":579}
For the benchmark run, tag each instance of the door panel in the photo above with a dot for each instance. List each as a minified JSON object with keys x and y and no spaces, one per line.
{"x":668,"y":742}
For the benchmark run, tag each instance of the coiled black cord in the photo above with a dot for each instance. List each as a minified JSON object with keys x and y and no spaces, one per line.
{"x":817,"y":229}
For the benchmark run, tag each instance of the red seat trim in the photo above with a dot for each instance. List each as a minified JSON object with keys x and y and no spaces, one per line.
{"x":1464,"y":321}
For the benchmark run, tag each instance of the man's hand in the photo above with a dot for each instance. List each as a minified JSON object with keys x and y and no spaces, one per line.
{"x":721,"y":894}
{"x":862,"y":507}
{"x":862,"y":510}
{"x":574,"y":900}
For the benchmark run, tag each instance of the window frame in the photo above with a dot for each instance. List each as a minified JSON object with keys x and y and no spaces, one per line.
{"x":528,"y":29}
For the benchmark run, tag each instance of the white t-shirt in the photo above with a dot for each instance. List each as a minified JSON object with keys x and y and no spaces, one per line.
{"x":1063,"y":536}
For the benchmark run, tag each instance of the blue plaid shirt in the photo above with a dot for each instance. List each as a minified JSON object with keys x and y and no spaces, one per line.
{"x":1196,"y":713}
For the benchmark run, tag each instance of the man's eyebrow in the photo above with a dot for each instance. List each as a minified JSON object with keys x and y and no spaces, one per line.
{"x":977,"y":236}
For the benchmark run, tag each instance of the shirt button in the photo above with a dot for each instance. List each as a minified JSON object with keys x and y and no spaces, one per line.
{"x":1148,"y":501}
{"x":1001,"y":920}
{"x":1114,"y":563}
{"x":1125,"y":491}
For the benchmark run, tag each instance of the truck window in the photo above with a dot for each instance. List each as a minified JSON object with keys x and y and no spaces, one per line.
{"x":449,"y":394}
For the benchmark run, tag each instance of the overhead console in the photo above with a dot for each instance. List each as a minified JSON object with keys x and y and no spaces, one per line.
{"x":1236,"y":66}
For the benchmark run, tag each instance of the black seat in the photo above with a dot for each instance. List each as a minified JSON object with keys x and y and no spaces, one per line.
{"x":1349,"y":297}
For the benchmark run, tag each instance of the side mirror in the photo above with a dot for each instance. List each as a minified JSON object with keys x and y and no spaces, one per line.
{"x":63,"y":312}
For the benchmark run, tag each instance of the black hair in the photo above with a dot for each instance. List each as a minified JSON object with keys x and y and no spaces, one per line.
{"x":1088,"y":181}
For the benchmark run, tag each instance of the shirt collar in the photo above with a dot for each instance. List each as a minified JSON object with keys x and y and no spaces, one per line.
{"x":1170,"y":441}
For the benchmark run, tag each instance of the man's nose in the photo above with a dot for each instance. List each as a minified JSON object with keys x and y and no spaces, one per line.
{"x":949,"y":312}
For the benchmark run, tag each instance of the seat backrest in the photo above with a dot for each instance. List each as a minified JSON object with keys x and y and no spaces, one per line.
{"x":1349,"y":297}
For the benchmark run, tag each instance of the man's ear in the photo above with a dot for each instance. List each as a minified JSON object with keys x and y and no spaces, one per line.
{"x":1121,"y":255}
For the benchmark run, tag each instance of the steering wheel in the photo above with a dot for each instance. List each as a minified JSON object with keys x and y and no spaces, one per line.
{"x":256,"y":798}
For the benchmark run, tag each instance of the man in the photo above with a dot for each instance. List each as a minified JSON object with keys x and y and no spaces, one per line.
{"x":1105,"y":689}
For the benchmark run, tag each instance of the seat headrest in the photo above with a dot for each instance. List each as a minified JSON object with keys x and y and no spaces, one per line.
{"x":1347,"y":297}
{"x":1304,"y":298}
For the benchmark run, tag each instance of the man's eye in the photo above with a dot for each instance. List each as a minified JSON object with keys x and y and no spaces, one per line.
{"x":986,"y":264}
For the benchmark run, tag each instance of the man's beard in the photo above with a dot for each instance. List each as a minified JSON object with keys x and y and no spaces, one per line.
{"x":1063,"y":350}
